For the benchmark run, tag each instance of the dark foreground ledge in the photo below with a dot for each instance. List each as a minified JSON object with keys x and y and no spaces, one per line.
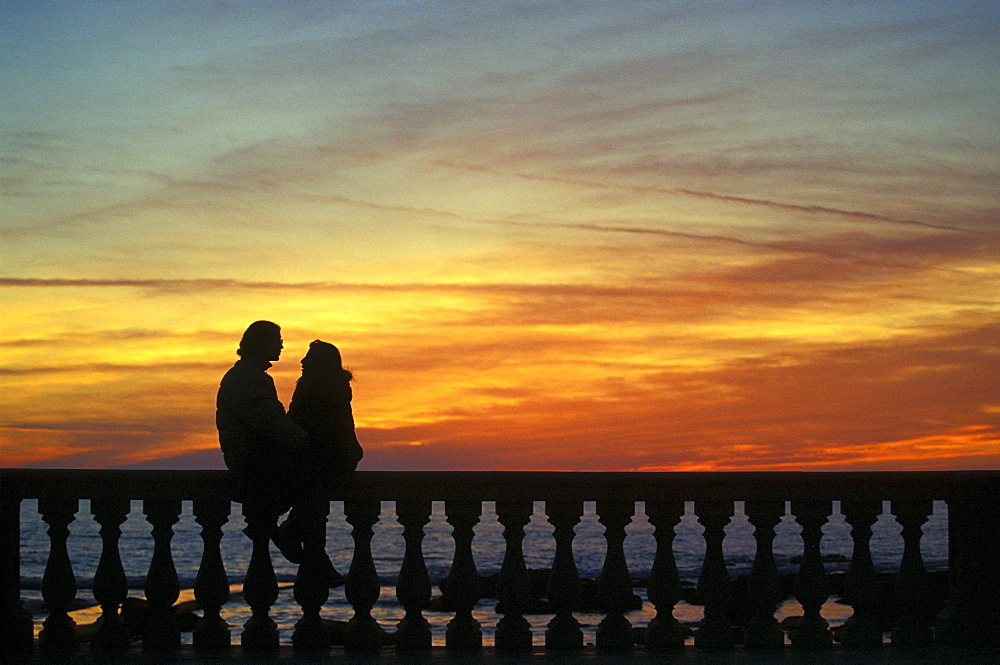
{"x":492,"y":656}
{"x":970,"y":618}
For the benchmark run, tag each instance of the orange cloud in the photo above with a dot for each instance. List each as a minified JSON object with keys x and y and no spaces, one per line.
{"x":583,"y":377}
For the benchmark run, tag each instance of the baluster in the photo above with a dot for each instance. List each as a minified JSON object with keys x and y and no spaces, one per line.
{"x":312,"y":584}
{"x":211,"y":586}
{"x":513,"y":584}
{"x":58,"y":581}
{"x":913,"y":627}
{"x":615,"y":584}
{"x":949,"y":623}
{"x":462,"y":587}
{"x":362,"y":587}
{"x":714,"y":586}
{"x":970,"y":615}
{"x":861,"y":630}
{"x":413,"y":590}
{"x":110,"y":585}
{"x":811,"y":586}
{"x":260,"y":587}
{"x":17,"y":629}
{"x":764,"y":588}
{"x":664,"y":583}
{"x":563,"y":591}
{"x":162,"y":633}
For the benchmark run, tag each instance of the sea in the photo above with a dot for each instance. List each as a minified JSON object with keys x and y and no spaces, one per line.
{"x":136,"y":546}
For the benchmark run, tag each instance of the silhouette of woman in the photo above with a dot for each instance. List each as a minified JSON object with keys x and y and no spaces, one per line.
{"x":321,"y":405}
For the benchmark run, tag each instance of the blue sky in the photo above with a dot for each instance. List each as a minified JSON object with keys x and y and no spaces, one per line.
{"x":499,"y":209}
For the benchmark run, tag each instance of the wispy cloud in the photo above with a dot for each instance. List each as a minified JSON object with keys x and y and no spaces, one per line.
{"x":111,"y":368}
{"x":778,"y":205}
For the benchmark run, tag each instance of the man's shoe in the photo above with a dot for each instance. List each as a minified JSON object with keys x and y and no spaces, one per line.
{"x":329,"y":574}
{"x":286,"y":540}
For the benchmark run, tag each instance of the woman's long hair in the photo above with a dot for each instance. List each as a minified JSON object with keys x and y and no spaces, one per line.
{"x":322,"y":368}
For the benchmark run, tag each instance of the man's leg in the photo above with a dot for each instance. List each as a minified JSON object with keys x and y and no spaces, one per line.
{"x":309,"y":520}
{"x":287,"y":537}
{"x":267,"y":498}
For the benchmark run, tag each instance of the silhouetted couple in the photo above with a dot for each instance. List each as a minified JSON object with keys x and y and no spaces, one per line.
{"x":287,"y":462}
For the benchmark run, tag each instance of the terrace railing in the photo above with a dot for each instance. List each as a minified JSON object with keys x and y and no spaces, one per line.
{"x":970,"y":617}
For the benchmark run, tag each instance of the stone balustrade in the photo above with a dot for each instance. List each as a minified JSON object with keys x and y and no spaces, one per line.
{"x":969,"y":619}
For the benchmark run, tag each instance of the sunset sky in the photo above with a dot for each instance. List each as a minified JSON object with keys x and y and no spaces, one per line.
{"x":545,"y":235}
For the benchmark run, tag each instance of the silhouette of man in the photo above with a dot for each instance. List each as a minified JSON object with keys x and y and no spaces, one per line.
{"x":253,"y":427}
{"x":260,"y":443}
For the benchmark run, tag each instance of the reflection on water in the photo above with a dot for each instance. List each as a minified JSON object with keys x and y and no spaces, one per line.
{"x":388,"y":613}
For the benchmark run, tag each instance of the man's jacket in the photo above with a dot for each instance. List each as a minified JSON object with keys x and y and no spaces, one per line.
{"x":254,"y":431}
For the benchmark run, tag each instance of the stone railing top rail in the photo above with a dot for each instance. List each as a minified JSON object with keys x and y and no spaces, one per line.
{"x":527,"y":485}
